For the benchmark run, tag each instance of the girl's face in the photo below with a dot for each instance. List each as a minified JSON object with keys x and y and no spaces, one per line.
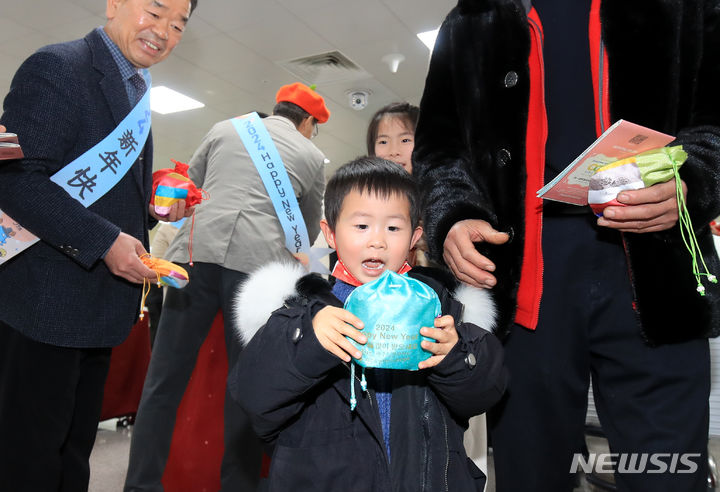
{"x":395,"y":141}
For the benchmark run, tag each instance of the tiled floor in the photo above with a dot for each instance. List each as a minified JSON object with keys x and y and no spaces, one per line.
{"x":596,"y":445}
{"x":109,"y":458}
{"x":108,"y":462}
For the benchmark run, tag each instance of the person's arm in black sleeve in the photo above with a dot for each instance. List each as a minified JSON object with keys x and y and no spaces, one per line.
{"x":281,"y":363}
{"x":441,"y":160}
{"x":701,"y":172}
{"x":472,"y":377}
{"x":26,"y":193}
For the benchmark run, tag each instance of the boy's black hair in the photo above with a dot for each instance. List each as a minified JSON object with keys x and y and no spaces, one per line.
{"x":372,"y":175}
{"x":405,"y":112}
{"x":292,"y":111}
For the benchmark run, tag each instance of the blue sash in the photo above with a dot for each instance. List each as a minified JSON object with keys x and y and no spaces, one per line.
{"x":89,"y":177}
{"x":99,"y":169}
{"x":270,"y":166}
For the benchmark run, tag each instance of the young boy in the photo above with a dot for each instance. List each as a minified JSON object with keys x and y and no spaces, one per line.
{"x":406,"y":432}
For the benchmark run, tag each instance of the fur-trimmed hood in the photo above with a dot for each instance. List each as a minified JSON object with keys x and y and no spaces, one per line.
{"x":274,"y":285}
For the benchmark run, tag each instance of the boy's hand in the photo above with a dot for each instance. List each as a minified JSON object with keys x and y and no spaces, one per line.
{"x":331,"y":327}
{"x":446,"y":336}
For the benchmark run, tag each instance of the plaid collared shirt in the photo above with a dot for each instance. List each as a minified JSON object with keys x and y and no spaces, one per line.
{"x":126,"y":68}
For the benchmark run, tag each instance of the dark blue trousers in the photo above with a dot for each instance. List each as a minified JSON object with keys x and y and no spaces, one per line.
{"x":50,"y":403}
{"x":649,"y":400}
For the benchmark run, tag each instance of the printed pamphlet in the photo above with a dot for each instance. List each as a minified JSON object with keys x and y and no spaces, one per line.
{"x":9,"y":147}
{"x":621,"y":140}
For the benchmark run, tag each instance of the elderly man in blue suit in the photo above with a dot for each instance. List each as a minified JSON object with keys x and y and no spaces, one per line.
{"x":73,"y":295}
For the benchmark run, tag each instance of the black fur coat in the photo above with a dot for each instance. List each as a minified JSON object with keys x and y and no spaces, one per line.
{"x":470,"y":140}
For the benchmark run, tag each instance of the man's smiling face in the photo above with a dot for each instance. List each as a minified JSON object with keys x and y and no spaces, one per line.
{"x":146,"y":31}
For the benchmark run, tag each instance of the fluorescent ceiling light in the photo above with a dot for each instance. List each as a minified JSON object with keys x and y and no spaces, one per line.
{"x":428,"y":38}
{"x":165,"y":101}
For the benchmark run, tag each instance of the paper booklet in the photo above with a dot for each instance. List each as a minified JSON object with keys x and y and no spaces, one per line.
{"x":621,"y":140}
{"x":9,"y":147}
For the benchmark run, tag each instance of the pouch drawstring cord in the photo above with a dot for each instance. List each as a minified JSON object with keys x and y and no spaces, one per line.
{"x":363,"y":385}
{"x":192,"y":229}
{"x":205,"y":196}
{"x":147,"y":285}
{"x":688,"y":233}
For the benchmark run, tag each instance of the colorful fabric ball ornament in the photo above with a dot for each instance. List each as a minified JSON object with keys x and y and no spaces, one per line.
{"x":172,"y":185}
{"x":168,"y":273}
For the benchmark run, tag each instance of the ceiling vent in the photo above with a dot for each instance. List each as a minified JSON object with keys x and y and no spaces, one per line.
{"x":325,"y":68}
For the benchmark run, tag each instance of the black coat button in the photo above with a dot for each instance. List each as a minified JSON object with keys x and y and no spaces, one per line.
{"x":511,"y":234}
{"x":297,"y":335}
{"x":511,"y":79}
{"x":503,"y":157}
{"x":470,"y":360}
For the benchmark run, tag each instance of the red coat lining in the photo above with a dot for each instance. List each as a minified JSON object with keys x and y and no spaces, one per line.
{"x":531,"y":278}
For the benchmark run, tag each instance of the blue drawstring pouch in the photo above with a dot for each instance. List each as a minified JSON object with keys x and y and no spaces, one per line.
{"x":393,"y":308}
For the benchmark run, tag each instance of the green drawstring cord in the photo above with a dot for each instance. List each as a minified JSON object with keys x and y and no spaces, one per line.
{"x":688,"y":233}
{"x":363,"y":385}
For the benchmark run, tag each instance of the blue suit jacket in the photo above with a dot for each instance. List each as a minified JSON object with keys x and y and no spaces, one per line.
{"x":63,"y":100}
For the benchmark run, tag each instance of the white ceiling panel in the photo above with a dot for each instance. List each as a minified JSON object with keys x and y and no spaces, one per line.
{"x":200,"y":84}
{"x":188,"y":126}
{"x":5,"y":76}
{"x":295,"y":5}
{"x":93,"y":6}
{"x":24,"y":45}
{"x":199,"y":28}
{"x":76,"y":28}
{"x":229,"y":58}
{"x":289,"y":38}
{"x":347,"y":20}
{"x":217,"y":53}
{"x":427,"y":17}
{"x":42,"y":14}
{"x":228,"y":15}
{"x":10,"y":29}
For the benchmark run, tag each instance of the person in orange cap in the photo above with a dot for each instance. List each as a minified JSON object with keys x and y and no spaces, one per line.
{"x":235,"y":231}
{"x":310,"y":101}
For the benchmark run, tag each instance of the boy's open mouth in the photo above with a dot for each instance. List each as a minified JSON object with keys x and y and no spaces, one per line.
{"x":373,"y":264}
